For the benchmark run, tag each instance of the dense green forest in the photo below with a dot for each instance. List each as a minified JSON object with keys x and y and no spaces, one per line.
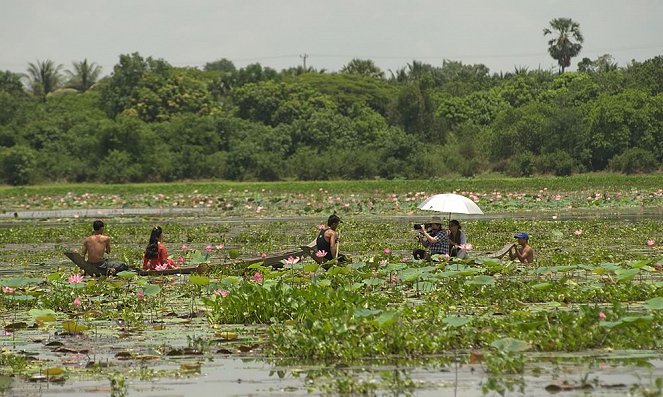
{"x":151,"y":121}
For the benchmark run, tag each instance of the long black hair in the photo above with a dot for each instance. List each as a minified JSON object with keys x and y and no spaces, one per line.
{"x":152,"y":249}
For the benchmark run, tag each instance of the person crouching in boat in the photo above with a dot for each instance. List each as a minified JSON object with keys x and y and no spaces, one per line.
{"x":156,"y":254}
{"x":96,"y":246}
{"x":328,"y":240}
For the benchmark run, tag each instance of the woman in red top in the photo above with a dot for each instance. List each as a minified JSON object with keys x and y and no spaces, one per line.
{"x":156,"y":253}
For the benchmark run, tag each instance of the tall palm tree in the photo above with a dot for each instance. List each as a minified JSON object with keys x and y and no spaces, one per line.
{"x":84,"y":75}
{"x":566,"y":40}
{"x":44,"y":76}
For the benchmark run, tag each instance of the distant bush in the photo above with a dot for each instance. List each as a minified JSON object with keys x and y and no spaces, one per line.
{"x":559,"y":163}
{"x":634,"y":161}
{"x":18,"y":165}
{"x":521,"y":164}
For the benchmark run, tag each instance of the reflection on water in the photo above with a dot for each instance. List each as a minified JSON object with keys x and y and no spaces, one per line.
{"x":229,"y":376}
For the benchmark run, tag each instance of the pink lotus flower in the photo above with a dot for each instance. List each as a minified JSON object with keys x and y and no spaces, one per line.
{"x":321,"y":226}
{"x":291,"y":260}
{"x":466,"y":247}
{"x":184,"y":248}
{"x":77,"y":302}
{"x":263,"y":255}
{"x":578,"y":232}
{"x":222,"y":292}
{"x":321,"y":253}
{"x":181,"y":260}
{"x":8,"y":290}
{"x":387,"y":251}
{"x":601,"y":316}
{"x":258,"y":277}
{"x":208,"y":248}
{"x":383,"y":262}
{"x":140,"y":294}
{"x":75,"y":279}
{"x":393,"y":279}
{"x":651,"y":242}
{"x":161,"y":267}
{"x":219,"y":247}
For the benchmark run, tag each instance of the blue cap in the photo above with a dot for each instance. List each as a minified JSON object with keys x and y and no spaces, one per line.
{"x":522,"y":235}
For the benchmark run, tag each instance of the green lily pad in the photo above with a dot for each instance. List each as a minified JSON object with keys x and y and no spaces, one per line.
{"x":456,"y":321}
{"x":655,"y":303}
{"x":481,"y":280}
{"x":510,"y":345}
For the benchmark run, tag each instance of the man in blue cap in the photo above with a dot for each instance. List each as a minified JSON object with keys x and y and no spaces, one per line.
{"x":525,"y":253}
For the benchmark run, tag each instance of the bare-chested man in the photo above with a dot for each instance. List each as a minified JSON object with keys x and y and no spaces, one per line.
{"x":94,"y":248}
{"x":525,"y":253}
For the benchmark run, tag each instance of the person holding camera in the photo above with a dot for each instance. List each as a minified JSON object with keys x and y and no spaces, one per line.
{"x":432,"y":237}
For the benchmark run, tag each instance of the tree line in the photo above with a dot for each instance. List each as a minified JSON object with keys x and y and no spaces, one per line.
{"x":151,"y":121}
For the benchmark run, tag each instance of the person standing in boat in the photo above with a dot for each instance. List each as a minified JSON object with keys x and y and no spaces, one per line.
{"x":156,"y":254}
{"x":525,"y":254}
{"x":328,"y":239}
{"x":457,"y":240}
{"x":96,"y":246}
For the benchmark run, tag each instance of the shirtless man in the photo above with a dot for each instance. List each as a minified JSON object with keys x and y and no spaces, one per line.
{"x":328,"y":241}
{"x":94,"y":248}
{"x":525,"y":253}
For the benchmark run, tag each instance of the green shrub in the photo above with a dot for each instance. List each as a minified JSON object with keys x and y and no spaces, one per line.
{"x":559,"y":163}
{"x":521,"y":164}
{"x":634,"y":161}
{"x":18,"y":165}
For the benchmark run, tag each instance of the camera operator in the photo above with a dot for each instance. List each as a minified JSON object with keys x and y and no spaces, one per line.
{"x":433,"y":238}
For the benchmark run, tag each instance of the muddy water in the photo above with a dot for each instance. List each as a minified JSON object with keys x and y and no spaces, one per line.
{"x":561,"y":214}
{"x":226,"y":376}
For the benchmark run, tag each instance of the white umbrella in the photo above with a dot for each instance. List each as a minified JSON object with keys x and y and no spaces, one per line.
{"x":451,"y":204}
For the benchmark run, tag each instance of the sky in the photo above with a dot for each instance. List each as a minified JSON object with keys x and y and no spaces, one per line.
{"x":501,"y":34}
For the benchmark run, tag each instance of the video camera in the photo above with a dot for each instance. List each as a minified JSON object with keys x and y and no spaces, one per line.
{"x":417,"y":226}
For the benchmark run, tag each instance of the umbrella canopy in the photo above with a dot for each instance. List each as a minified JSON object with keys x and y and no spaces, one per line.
{"x":451,"y":204}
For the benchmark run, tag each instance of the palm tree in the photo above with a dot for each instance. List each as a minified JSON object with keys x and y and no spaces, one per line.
{"x":44,"y":76}
{"x":363,"y":67}
{"x":84,"y":75}
{"x":566,"y":40}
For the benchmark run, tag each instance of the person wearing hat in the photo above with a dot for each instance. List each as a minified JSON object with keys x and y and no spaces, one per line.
{"x":525,"y":253}
{"x":327,"y":239}
{"x":435,"y":239}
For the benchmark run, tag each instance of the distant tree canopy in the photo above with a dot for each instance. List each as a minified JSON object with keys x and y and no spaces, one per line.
{"x":151,"y":121}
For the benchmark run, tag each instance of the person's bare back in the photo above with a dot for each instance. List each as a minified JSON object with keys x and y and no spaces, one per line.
{"x":96,"y":245}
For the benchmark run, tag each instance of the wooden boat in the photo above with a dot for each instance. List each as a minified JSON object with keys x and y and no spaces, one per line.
{"x":276,"y":261}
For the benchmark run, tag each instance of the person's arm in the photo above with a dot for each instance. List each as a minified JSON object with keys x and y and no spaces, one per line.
{"x":333,"y":244}
{"x":108,"y":248}
{"x":513,"y":252}
{"x":463,"y":239}
{"x":430,"y":239}
{"x":84,"y":249}
{"x":163,"y":253}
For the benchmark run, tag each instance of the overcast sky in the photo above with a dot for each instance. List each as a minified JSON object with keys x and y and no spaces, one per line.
{"x":501,"y":34}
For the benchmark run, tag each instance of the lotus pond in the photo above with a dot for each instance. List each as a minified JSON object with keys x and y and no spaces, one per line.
{"x":585,"y":319}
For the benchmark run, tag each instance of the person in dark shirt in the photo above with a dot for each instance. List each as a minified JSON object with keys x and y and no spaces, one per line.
{"x":328,"y":239}
{"x":434,"y":238}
